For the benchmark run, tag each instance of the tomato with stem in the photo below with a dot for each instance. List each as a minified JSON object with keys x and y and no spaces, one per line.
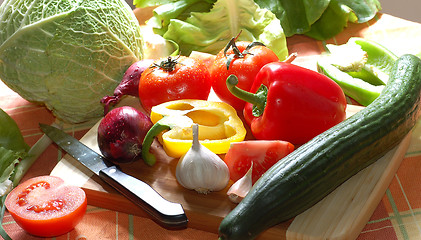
{"x":171,"y":79}
{"x":44,"y":206}
{"x":242,"y":59}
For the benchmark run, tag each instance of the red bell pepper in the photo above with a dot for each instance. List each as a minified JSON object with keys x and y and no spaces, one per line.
{"x":290,"y":103}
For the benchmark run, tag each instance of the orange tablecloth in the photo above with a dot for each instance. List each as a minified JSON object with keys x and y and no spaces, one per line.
{"x":398,"y":215}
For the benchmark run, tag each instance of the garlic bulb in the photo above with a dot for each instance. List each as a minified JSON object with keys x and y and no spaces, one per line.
{"x":200,"y":169}
{"x":241,"y":187}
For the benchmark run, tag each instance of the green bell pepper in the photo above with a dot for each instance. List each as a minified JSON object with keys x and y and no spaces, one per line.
{"x":361,"y":67}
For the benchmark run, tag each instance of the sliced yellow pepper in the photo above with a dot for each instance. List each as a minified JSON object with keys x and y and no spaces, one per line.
{"x":218,"y":122}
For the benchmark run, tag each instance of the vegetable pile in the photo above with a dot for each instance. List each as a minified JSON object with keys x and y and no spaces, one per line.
{"x":300,"y":146}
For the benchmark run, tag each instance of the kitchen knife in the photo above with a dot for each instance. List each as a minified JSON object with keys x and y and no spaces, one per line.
{"x":168,"y":214}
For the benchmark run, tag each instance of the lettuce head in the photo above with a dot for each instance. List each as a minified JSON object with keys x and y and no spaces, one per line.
{"x":197,"y":25}
{"x":67,"y":54}
{"x":318,"y":19}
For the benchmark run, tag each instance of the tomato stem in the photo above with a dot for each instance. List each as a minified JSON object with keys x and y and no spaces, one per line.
{"x":237,"y":52}
{"x":167,"y":65}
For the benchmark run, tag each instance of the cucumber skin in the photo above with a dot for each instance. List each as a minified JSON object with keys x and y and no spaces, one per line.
{"x":315,"y":169}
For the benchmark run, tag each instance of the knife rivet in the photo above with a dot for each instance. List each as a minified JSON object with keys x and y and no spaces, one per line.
{"x":112,"y":170}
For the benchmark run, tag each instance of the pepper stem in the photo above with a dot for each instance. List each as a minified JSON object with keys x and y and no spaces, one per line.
{"x":257,"y":99}
{"x":156,"y":129}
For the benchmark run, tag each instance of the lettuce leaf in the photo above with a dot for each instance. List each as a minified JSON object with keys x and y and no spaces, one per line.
{"x":296,"y":16}
{"x":12,"y":148}
{"x":339,"y":13}
{"x":10,"y":135}
{"x":320,"y":19}
{"x":168,"y":10}
{"x":210,"y":31}
{"x":8,"y":160}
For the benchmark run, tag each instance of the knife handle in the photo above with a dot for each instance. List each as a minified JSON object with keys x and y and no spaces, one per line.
{"x":168,"y":214}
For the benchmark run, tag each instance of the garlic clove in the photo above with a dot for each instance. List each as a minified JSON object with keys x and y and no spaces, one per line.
{"x":241,"y":187}
{"x":200,"y":169}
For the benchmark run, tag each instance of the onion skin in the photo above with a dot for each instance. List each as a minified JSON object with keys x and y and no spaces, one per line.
{"x":121,"y":133}
{"x":129,"y":85}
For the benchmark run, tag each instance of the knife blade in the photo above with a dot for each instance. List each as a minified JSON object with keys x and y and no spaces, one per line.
{"x":166,"y":213}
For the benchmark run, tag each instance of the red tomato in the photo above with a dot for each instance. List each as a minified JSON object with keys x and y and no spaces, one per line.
{"x":44,"y":206}
{"x":245,"y":68}
{"x":172,"y":79}
{"x":263,"y":153}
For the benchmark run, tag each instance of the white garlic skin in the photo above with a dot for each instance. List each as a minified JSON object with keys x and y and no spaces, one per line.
{"x":241,"y":187}
{"x":202,"y":170}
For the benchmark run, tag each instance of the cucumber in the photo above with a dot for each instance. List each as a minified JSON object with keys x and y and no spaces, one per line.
{"x":315,"y":169}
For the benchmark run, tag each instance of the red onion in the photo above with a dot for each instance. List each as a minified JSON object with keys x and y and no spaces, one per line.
{"x":129,"y":85}
{"x":121,"y":133}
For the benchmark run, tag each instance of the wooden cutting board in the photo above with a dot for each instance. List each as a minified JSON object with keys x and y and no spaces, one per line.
{"x":341,"y":215}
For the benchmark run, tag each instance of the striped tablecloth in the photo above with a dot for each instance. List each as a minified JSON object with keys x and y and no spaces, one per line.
{"x":398,"y":215}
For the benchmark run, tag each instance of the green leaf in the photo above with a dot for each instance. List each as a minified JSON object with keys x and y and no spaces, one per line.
{"x":10,"y":135}
{"x":296,"y":16}
{"x":363,"y":10}
{"x":339,"y":13}
{"x":180,"y":10}
{"x":8,"y":160}
{"x":332,"y":22}
{"x":320,"y":19}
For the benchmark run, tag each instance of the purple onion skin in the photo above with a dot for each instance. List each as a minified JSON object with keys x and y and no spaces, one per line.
{"x":121,"y":133}
{"x":129,"y":85}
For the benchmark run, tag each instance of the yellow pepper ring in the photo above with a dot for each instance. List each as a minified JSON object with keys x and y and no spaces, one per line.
{"x":219,"y":125}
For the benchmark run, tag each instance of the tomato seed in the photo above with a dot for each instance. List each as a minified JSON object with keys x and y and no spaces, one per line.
{"x":22,"y":196}
{"x":52,"y":205}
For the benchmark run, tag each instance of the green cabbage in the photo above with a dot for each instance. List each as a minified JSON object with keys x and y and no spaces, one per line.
{"x":67,"y":54}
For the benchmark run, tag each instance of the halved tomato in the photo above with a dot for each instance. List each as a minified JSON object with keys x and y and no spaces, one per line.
{"x":263,"y":153}
{"x":44,"y":206}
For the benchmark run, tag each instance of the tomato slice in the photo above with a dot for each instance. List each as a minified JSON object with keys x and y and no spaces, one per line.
{"x":263,"y":153}
{"x":44,"y":206}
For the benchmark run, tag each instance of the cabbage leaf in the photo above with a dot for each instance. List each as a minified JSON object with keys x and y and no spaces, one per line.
{"x":67,"y":54}
{"x":210,"y":31}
